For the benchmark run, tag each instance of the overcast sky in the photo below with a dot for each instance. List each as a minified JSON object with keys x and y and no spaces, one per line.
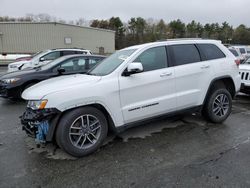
{"x":205,"y":11}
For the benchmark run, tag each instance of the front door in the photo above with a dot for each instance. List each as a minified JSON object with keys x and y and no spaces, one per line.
{"x":150,"y":93}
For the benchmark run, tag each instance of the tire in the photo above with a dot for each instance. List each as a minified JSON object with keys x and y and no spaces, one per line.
{"x":79,"y":139}
{"x":218,"y":105}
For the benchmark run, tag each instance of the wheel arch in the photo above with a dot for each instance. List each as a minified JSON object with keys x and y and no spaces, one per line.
{"x":56,"y":120}
{"x":224,"y":81}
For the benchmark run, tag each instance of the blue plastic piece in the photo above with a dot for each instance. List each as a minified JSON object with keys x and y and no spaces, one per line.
{"x":42,"y":131}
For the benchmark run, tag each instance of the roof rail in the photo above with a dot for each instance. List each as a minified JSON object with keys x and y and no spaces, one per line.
{"x":176,"y":39}
{"x":69,"y":48}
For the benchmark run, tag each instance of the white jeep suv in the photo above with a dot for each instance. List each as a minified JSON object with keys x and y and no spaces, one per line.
{"x":245,"y":76}
{"x":132,"y":86}
{"x":44,"y":57}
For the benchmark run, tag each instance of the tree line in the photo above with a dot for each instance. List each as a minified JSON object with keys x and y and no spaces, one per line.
{"x":139,"y":30}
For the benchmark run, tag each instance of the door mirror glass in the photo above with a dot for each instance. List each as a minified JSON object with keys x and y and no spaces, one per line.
{"x":42,"y":59}
{"x":134,"y":68}
{"x":61,"y":70}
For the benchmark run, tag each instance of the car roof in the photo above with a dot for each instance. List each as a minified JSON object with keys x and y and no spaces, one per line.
{"x":175,"y":41}
{"x":81,"y":55}
{"x":69,"y":49}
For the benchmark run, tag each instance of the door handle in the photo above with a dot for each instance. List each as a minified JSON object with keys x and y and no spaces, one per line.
{"x":166,"y":74}
{"x":205,"y":66}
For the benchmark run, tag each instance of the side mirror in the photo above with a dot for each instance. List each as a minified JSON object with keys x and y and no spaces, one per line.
{"x":42,"y":59}
{"x":133,"y":68}
{"x":60,"y":70}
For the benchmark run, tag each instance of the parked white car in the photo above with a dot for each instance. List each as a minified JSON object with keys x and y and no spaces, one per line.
{"x":132,"y":86}
{"x":44,"y":57}
{"x":245,"y":76}
{"x":243,"y":51}
{"x":237,"y":54}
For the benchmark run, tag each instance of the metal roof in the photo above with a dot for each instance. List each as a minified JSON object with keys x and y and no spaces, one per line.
{"x":58,"y":23}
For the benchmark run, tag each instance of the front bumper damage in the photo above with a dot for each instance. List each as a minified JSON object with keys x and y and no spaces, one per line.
{"x":40,"y":124}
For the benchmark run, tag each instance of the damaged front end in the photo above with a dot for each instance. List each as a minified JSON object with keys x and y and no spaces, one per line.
{"x":40,"y":124}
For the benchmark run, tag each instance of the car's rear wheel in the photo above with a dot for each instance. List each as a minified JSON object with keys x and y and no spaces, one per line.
{"x":82,"y":131}
{"x":218,"y":105}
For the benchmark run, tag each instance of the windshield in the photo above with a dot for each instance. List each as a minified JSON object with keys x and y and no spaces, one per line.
{"x":234,"y":52}
{"x":35,"y":54}
{"x":39,"y":54}
{"x":109,"y":64}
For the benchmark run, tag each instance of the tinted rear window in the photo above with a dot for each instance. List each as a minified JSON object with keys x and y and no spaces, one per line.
{"x":211,"y":51}
{"x":185,"y":54}
{"x":234,"y":52}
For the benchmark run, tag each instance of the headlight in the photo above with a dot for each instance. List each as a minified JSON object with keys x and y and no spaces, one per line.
{"x":10,"y":81}
{"x":37,"y":104}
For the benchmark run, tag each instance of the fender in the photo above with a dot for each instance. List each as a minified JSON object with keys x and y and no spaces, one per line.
{"x":215,"y":80}
{"x":56,"y":119}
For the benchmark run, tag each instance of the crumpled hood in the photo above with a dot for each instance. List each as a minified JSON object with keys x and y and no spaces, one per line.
{"x":244,"y":67}
{"x":57,"y":84}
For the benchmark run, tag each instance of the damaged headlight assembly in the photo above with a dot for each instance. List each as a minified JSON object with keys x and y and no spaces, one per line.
{"x":36,"y":119}
{"x":37,"y":104}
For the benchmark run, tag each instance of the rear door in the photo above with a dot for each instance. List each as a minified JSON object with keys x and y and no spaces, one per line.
{"x":150,"y":93}
{"x":191,"y":73}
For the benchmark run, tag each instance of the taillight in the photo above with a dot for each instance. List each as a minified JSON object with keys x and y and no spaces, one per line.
{"x":237,"y":61}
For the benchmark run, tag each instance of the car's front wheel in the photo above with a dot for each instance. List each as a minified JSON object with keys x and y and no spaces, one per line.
{"x":81,"y":131}
{"x":218,"y":105}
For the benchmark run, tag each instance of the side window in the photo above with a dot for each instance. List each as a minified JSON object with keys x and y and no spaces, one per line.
{"x":93,"y":62}
{"x":72,"y":65}
{"x":90,"y":63}
{"x":51,"y":56}
{"x":67,"y":52}
{"x":234,"y":52}
{"x":242,"y":51}
{"x":211,"y":51}
{"x":80,"y":52}
{"x":185,"y":54}
{"x":153,"y":59}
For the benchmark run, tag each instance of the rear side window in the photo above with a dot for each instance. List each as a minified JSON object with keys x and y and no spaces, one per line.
{"x":211,"y":51}
{"x":185,"y":54}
